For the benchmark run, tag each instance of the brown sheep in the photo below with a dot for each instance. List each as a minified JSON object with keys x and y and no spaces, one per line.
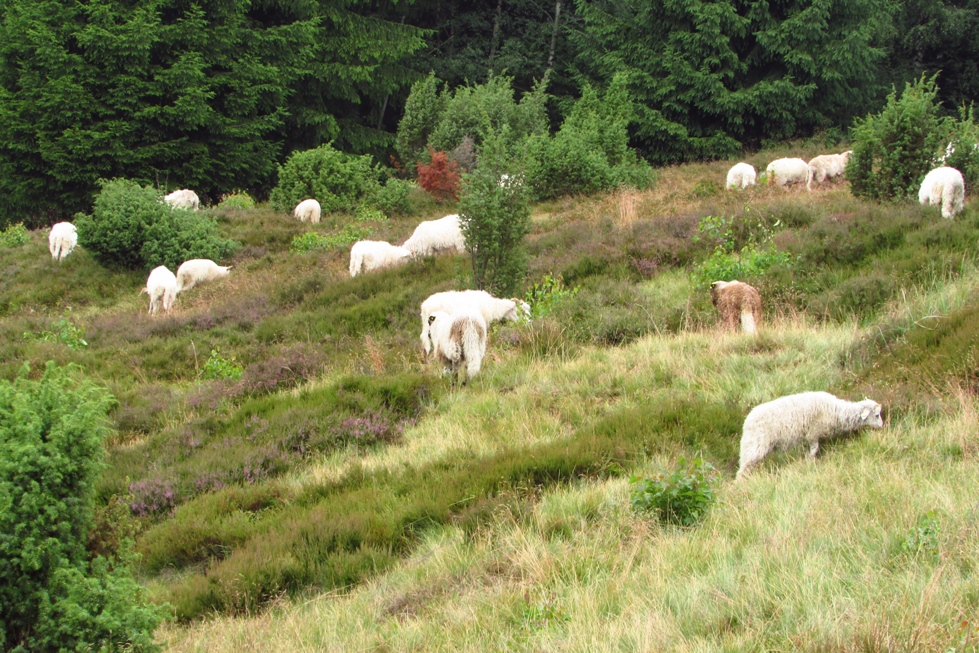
{"x":737,"y":302}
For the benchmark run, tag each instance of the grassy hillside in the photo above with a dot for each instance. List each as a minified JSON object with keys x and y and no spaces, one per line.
{"x":341,"y":495}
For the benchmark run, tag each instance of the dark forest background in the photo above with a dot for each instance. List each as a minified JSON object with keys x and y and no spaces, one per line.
{"x":213,"y":94}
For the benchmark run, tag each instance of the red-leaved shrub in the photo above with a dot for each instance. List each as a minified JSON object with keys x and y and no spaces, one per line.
{"x":441,"y":177}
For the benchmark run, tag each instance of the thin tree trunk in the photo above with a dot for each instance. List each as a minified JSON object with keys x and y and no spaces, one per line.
{"x":557,"y":19}
{"x":496,"y":29}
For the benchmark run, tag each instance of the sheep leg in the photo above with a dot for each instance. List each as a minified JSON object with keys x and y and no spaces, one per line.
{"x":813,"y":449}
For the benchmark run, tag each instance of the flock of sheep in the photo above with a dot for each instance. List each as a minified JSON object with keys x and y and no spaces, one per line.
{"x":455,"y":323}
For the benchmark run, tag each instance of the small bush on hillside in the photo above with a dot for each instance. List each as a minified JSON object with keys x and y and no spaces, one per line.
{"x":894,"y":149}
{"x":238,"y":199}
{"x":130,"y":226}
{"x":495,"y":218}
{"x":440,"y":178}
{"x":964,"y":141}
{"x":590,"y":153}
{"x":309,"y":241}
{"x":14,"y":236}
{"x":679,"y":498}
{"x":392,"y":198}
{"x":64,"y":331}
{"x":336,"y":180}
{"x":544,"y":295}
{"x":219,"y":367}
{"x":52,"y":595}
{"x":757,"y":253}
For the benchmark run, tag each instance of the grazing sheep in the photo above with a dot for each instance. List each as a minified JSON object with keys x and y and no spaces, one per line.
{"x":741,"y":175}
{"x":432,"y":236}
{"x":458,"y":341}
{"x":198,"y":270}
{"x":62,"y":240}
{"x":183,"y":199}
{"x":367,"y":255}
{"x":737,"y":302}
{"x":307,"y":211}
{"x":491,"y":308}
{"x":827,"y":166}
{"x":804,"y":418}
{"x":943,"y":186}
{"x":784,"y":172}
{"x":161,"y":286}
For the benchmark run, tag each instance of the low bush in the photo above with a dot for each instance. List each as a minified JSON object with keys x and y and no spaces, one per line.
{"x":338,"y":181}
{"x":237,"y":200}
{"x":393,"y":196}
{"x":130,"y":226}
{"x":440,"y":177}
{"x":680,"y":497}
{"x":14,"y":236}
{"x":310,"y":241}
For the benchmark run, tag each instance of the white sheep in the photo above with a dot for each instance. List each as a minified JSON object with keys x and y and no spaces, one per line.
{"x":432,"y":236}
{"x":827,"y":166}
{"x":367,"y":255}
{"x":784,"y":172}
{"x":307,"y":211}
{"x":451,"y":301}
{"x":458,"y":341}
{"x":943,"y":187}
{"x":161,"y":286}
{"x":62,"y":240}
{"x":183,"y":199}
{"x":741,"y":175}
{"x":198,"y":270}
{"x":804,"y":418}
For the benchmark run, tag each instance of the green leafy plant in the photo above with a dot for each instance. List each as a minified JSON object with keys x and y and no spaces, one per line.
{"x":369,"y":213}
{"x":348,"y":235}
{"x":680,"y":497}
{"x":756,"y":255}
{"x":53,"y":595}
{"x":922,"y":540}
{"x":338,"y":181}
{"x":130,"y":226}
{"x":14,"y":236}
{"x":219,"y":367}
{"x":64,"y":331}
{"x":237,"y":199}
{"x":392,"y":198}
{"x":546,"y":294}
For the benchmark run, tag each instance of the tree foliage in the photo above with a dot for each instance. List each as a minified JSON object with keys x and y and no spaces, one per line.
{"x":710,"y":77}
{"x":494,"y":214}
{"x":52,"y":597}
{"x":338,"y":181}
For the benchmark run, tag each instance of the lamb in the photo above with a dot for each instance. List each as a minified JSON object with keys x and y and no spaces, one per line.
{"x":458,"y":341}
{"x":804,"y":418}
{"x":943,"y":186}
{"x":161,"y":286}
{"x":737,"y":302}
{"x":432,"y":236}
{"x":183,"y":199}
{"x":741,"y":175}
{"x":198,"y":270}
{"x":367,"y":255}
{"x":62,"y":240}
{"x":490,"y":308}
{"x":784,"y":172}
{"x":307,"y":211}
{"x":827,"y":166}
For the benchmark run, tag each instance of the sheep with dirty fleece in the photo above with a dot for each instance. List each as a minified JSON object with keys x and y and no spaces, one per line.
{"x":307,"y":211}
{"x":804,"y":418}
{"x":827,"y":166}
{"x":737,"y":303}
{"x":491,"y":308}
{"x":161,"y":286}
{"x":183,"y":199}
{"x":432,"y":236}
{"x":62,"y":240}
{"x":198,"y":270}
{"x":741,"y":175}
{"x":458,"y":341}
{"x":784,"y":172}
{"x":367,"y":255}
{"x":943,"y":187}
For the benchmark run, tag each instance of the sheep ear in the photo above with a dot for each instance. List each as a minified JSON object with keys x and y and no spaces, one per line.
{"x":865,"y":413}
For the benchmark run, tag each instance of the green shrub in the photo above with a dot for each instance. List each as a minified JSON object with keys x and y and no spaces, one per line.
{"x":238,"y":199}
{"x":64,"y":331}
{"x":922,"y":540}
{"x":590,"y":153}
{"x":681,"y":497}
{"x":130,"y":226}
{"x":336,"y":180}
{"x":14,"y":236}
{"x":52,"y":597}
{"x":494,"y":219}
{"x":392,"y":198}
{"x":219,"y":367}
{"x":964,"y":139}
{"x":894,"y":149}
{"x":757,"y":253}
{"x":546,"y":294}
{"x":309,"y":241}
